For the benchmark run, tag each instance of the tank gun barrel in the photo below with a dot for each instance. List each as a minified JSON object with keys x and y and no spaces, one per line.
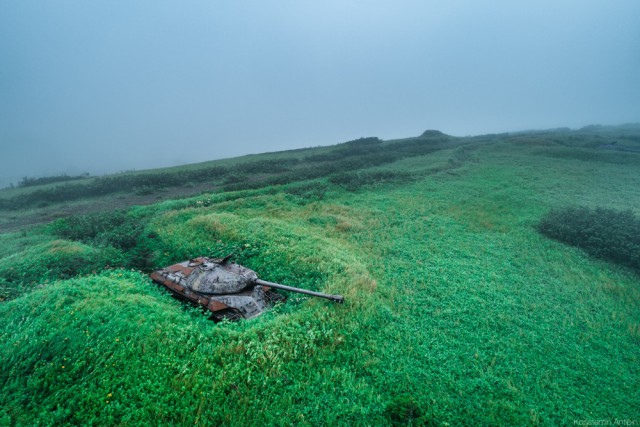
{"x":334,"y":298}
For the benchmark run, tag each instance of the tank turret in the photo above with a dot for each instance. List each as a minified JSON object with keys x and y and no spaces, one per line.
{"x":226,"y":289}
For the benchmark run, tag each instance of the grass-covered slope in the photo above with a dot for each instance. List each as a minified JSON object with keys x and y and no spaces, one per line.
{"x":458,"y":311}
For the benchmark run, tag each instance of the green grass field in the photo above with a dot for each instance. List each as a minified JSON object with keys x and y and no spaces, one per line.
{"x":458,"y":311}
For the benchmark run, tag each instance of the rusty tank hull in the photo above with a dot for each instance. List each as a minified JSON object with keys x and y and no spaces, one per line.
{"x":228,"y":290}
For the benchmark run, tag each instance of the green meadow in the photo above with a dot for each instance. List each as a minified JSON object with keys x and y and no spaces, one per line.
{"x":457,"y":311}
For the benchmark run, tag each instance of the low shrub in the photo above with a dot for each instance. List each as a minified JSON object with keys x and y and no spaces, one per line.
{"x":603,"y":233}
{"x":356,"y":147}
{"x":403,"y":410}
{"x":312,"y":191}
{"x":30,"y":182}
{"x":113,"y":228}
{"x":353,"y":181}
{"x":264,"y":166}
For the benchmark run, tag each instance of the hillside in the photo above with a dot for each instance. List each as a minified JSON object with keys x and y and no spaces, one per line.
{"x":458,"y":310}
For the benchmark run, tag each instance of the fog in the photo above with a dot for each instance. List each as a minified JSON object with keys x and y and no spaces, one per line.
{"x":108,"y":86}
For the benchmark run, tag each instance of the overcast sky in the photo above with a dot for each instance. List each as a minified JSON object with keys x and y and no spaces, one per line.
{"x":101,"y":86}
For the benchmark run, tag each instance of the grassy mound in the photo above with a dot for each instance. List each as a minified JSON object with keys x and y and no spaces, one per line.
{"x":113,"y":348}
{"x":52,"y":260}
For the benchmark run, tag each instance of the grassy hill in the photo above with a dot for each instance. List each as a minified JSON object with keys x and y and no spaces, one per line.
{"x":458,"y":310}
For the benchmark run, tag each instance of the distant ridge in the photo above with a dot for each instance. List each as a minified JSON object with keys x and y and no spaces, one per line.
{"x":432,"y":133}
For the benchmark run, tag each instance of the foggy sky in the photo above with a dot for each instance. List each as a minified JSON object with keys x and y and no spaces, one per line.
{"x":106,"y":86}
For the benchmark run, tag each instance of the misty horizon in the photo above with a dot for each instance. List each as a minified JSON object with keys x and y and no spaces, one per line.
{"x":102,"y":88}
{"x":77,"y":172}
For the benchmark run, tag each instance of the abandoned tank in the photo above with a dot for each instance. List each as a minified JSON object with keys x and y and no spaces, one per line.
{"x":228,"y":290}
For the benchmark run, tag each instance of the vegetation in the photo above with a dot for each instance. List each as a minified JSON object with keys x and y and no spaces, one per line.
{"x":349,"y":156}
{"x":113,"y":228}
{"x":604,"y":233}
{"x":140,"y":183}
{"x":458,"y":311}
{"x":31,"y":182}
{"x":353,"y":181}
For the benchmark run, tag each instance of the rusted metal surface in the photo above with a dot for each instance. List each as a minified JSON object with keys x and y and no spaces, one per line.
{"x":335,"y":298}
{"x":223,"y":287}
